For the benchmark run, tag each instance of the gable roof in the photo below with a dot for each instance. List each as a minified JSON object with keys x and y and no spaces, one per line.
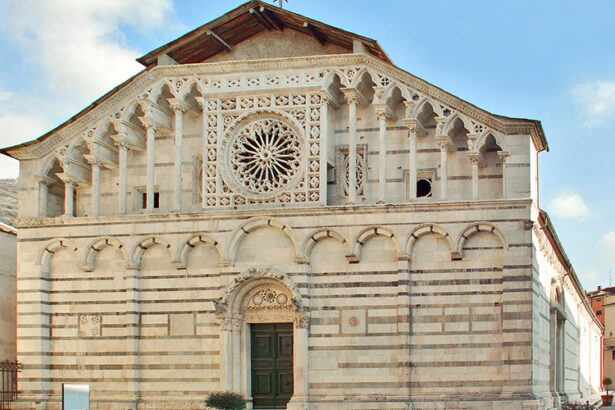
{"x":246,"y":21}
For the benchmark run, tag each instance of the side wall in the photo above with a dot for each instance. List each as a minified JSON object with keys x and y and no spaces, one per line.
{"x":8,"y":301}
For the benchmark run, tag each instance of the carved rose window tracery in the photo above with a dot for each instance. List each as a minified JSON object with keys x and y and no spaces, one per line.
{"x":265,"y":156}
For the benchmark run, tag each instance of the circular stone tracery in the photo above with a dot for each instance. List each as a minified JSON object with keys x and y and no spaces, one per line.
{"x":265,"y":156}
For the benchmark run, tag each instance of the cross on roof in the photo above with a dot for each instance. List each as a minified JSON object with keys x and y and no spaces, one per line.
{"x":281,"y":5}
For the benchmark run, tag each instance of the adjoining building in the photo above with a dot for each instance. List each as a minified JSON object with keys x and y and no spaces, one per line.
{"x":8,"y":299}
{"x":272,"y":207}
{"x":602,"y":301}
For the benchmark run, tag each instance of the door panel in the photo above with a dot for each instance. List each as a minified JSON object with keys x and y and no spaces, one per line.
{"x":272,"y":364}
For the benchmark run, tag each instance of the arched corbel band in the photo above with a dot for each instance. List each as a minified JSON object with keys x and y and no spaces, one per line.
{"x":365,"y":235}
{"x":238,"y":234}
{"x":45,"y":255}
{"x":425,"y":229}
{"x":319,"y":235}
{"x":88,"y":259}
{"x":479,"y":227}
{"x":138,"y":250}
{"x":181,"y":257}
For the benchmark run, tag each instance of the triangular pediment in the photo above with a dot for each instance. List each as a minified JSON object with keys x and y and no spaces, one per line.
{"x":257,"y":30}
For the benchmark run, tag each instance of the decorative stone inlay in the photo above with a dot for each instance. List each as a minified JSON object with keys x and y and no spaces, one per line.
{"x":265,"y":156}
{"x":89,"y":325}
{"x":342,"y":163}
{"x":269,"y":299}
{"x":353,"y":321}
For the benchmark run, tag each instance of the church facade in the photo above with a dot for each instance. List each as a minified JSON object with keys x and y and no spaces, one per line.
{"x":272,"y":207}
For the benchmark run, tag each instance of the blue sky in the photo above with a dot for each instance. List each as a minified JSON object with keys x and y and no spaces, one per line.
{"x":552,"y":60}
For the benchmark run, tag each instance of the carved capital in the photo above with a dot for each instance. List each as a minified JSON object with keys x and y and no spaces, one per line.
{"x":302,"y":320}
{"x":475,"y":158}
{"x":352,"y":95}
{"x":414,"y":126}
{"x":503,"y":155}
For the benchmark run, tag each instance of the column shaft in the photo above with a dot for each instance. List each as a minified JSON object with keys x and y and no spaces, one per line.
{"x":151,"y":135}
{"x":95,"y":189}
{"x":69,"y":199}
{"x":443,"y":170}
{"x":412,"y":165}
{"x":43,"y":198}
{"x":352,"y":152}
{"x":383,"y":157}
{"x":123,"y":177}
{"x":179,"y":117}
{"x":475,"y":179}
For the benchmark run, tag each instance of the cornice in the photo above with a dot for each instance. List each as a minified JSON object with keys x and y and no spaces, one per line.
{"x":303,"y":211}
{"x":117,"y":100}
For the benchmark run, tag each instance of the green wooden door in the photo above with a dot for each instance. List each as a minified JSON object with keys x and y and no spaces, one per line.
{"x":272,"y":365}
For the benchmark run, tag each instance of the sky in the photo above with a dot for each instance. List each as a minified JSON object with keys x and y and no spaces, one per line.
{"x":551,"y":60}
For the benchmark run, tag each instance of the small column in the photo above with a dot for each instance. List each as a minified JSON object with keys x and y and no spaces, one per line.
{"x":443,"y":145}
{"x":95,"y":187}
{"x":179,"y":110}
{"x":382,"y":122}
{"x":123,"y":150}
{"x":69,"y":197}
{"x":414,"y":129}
{"x":503,"y":155}
{"x":474,"y":158}
{"x":151,"y":136}
{"x":226,"y":353}
{"x":352,"y":148}
{"x":43,"y":195}
{"x":203,"y":103}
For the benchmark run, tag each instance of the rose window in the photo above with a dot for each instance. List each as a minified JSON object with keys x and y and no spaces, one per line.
{"x":265,"y":156}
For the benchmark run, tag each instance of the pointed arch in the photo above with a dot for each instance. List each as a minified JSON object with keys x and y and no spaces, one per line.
{"x":329,"y":78}
{"x":479,"y":227}
{"x":259,"y":222}
{"x":449,"y":124}
{"x":181,"y":256}
{"x":137,"y":250}
{"x":45,"y":255}
{"x":418,"y":108}
{"x":88,"y":259}
{"x":365,"y":235}
{"x":318,"y":235}
{"x":430,"y":228}
{"x":483,"y":137}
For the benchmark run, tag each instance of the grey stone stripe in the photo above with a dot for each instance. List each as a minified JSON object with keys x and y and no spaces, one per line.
{"x":140,"y":290}
{"x":355,"y":273}
{"x":123,"y":313}
{"x":354,"y":347}
{"x":358,"y":295}
{"x":468,"y":293}
{"x":389,"y":128}
{"x":455,"y":318}
{"x":329,"y":285}
{"x":358,"y":385}
{"x":468,"y":345}
{"x":169,"y":366}
{"x":120,"y":353}
{"x":473,"y":363}
{"x":120,"y":337}
{"x":470,"y":332}
{"x":122,"y":301}
{"x":121,"y":379}
{"x":454,"y":270}
{"x":456,"y":282}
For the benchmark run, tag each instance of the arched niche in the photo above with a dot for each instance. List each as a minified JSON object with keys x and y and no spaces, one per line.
{"x":367,"y":234}
{"x":431,"y":229}
{"x":51,"y":190}
{"x":91,"y":253}
{"x":490,"y":172}
{"x":198,"y":251}
{"x":258,"y":296}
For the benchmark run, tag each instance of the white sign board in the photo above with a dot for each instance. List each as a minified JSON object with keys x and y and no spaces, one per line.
{"x":75,"y":396}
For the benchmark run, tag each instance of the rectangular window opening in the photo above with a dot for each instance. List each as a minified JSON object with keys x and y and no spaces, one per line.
{"x":156,"y":200}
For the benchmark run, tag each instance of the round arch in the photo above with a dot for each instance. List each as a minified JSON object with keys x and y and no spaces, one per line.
{"x":181,"y":257}
{"x":259,"y":222}
{"x":318,"y":235}
{"x":366,"y":234}
{"x":45,"y":255}
{"x":479,"y":227}
{"x":429,"y":228}
{"x":88,"y":259}
{"x":137,"y":250}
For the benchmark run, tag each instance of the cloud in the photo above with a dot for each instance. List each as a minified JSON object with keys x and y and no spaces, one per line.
{"x":65,"y":54}
{"x":609,"y":240}
{"x":569,"y":207}
{"x":79,"y":45}
{"x":595,"y":101}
